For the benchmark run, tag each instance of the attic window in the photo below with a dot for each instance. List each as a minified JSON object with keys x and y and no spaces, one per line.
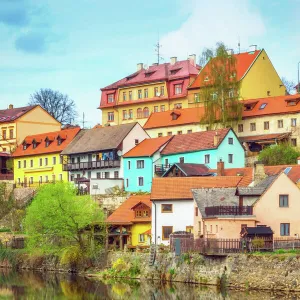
{"x":130,"y":77}
{"x":292,"y":102}
{"x":175,"y":115}
{"x":47,"y":143}
{"x":287,"y":170}
{"x":24,"y":146}
{"x":34,"y":144}
{"x":174,"y":71}
{"x":263,"y":106}
{"x":206,"y":78}
{"x":149,"y":73}
{"x":249,"y":106}
{"x":59,"y":141}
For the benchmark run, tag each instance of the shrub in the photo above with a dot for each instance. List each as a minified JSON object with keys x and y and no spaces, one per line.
{"x":71,"y":256}
{"x":258,"y":243}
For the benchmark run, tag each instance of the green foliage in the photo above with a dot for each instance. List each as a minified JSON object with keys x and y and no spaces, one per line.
{"x":258,"y":243}
{"x":281,"y":154}
{"x":172,"y":272}
{"x":72,"y":256}
{"x":6,"y":200}
{"x":11,"y":255}
{"x":10,"y":164}
{"x":57,"y":218}
{"x":5,"y":229}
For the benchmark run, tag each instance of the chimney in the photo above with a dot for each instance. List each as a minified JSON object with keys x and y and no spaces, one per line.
{"x":192,"y":59}
{"x":173,"y":60}
{"x":10,"y":106}
{"x":216,"y":139}
{"x":220,"y":168}
{"x":259,"y":172}
{"x":140,"y":66}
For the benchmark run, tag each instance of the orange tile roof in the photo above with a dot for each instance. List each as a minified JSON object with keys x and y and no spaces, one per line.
{"x":67,"y":134}
{"x":243,"y":63}
{"x":179,"y":188}
{"x":124,"y":213}
{"x":148,"y":147}
{"x":194,"y":141}
{"x":164,"y":119}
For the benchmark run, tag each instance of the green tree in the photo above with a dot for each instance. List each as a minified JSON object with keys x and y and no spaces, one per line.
{"x":57,"y":217}
{"x":281,"y":154}
{"x":220,"y":87}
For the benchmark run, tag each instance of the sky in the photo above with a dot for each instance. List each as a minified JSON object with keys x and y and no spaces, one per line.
{"x":78,"y":47}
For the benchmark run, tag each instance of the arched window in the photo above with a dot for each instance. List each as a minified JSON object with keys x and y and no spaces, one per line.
{"x":146,"y":112}
{"x":139,"y":113}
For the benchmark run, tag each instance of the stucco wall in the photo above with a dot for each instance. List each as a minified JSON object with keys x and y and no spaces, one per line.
{"x":140,"y":228}
{"x":100,"y":186}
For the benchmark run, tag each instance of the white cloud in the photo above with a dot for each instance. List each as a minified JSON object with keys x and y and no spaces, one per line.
{"x":212,"y":21}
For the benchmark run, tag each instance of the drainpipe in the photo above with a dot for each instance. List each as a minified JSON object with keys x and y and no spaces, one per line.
{"x":155,"y":222}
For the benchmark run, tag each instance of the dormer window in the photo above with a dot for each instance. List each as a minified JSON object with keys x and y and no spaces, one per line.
{"x":249,"y":106}
{"x":206,"y":78}
{"x":110,"y":98}
{"x":47,"y":143}
{"x":34,"y":144}
{"x":24,"y":146}
{"x":175,"y":115}
{"x":177,"y":89}
{"x":292,"y":102}
{"x":59,"y":141}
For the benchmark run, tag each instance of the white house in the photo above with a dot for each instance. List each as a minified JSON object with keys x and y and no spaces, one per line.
{"x":94,"y":157}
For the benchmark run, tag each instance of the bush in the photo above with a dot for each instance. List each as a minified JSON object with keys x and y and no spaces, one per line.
{"x":258,"y":243}
{"x":72,"y":256}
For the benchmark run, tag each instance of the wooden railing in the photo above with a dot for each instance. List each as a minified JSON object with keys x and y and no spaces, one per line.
{"x":229,"y":210}
{"x":7,"y":176}
{"x":91,"y":165}
{"x":161,"y":169}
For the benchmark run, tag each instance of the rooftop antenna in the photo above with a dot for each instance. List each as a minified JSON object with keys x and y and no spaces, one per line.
{"x":157,"y":50}
{"x":84,"y":121}
{"x":239,"y":45}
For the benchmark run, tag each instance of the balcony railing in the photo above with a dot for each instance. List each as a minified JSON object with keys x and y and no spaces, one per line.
{"x":7,"y":176}
{"x":91,"y":165}
{"x":161,"y":169}
{"x":229,"y":210}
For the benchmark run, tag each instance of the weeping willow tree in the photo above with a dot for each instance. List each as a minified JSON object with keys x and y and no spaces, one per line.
{"x":220,"y":87}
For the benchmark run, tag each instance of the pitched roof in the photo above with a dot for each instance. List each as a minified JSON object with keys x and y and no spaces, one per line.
{"x":124,"y":213}
{"x":98,"y":139}
{"x":259,"y":230}
{"x":243,"y":63}
{"x":9,"y":115}
{"x":179,"y":188}
{"x":148,"y":147}
{"x":165,"y":119}
{"x":190,"y":169}
{"x":264,"y":137}
{"x":41,"y":148}
{"x":196,"y":141}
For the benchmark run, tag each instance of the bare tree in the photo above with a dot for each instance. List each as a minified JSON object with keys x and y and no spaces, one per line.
{"x":58,"y":105}
{"x":289,"y":85}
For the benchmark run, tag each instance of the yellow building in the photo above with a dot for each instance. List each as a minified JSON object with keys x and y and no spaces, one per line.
{"x":130,"y":223}
{"x":150,"y":89}
{"x":16,"y":123}
{"x":256,"y":73}
{"x":37,"y":160}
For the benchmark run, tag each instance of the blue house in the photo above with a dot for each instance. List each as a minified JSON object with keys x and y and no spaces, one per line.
{"x":139,"y":164}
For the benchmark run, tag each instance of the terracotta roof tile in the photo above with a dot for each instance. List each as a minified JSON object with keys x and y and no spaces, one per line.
{"x":179,"y":188}
{"x":124,"y":213}
{"x":148,"y":147}
{"x":194,"y":141}
{"x":41,"y":148}
{"x":9,"y":115}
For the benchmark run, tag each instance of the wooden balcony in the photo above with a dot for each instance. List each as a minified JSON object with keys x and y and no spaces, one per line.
{"x":161,"y":169}
{"x":229,"y":210}
{"x":101,"y":164}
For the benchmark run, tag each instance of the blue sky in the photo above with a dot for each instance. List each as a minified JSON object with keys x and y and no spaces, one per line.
{"x":79,"y":46}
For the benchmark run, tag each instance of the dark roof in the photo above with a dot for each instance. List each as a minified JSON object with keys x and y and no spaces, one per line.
{"x":259,"y":230}
{"x":99,"y":139}
{"x":190,"y":169}
{"x":9,"y":115}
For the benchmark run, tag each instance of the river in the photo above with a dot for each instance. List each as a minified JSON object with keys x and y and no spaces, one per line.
{"x":36,"y":285}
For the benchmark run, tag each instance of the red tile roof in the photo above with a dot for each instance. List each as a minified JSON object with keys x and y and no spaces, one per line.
{"x":124,"y":213}
{"x":243,"y":63}
{"x":148,"y":147}
{"x":67,"y":134}
{"x":9,"y":115}
{"x":179,"y":188}
{"x":194,"y":141}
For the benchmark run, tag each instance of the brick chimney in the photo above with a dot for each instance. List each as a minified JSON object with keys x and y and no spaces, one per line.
{"x":192,"y":59}
{"x":220,"y":168}
{"x":216,"y":139}
{"x":11,"y":106}
{"x":173,"y":60}
{"x":139,"y":66}
{"x":259,"y":172}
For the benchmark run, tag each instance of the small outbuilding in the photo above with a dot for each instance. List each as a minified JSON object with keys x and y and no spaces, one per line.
{"x":257,"y":232}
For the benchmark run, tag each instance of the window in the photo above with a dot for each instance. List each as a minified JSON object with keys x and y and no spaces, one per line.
{"x":24,"y":164}
{"x":189,"y":229}
{"x":54,"y":160}
{"x":136,"y":141}
{"x":293,"y":122}
{"x":41,"y":162}
{"x":196,"y":211}
{"x":162,"y":108}
{"x":190,"y":131}
{"x":230,"y":141}
{"x":106,"y":175}
{"x":141,"y":181}
{"x":46,"y":178}
{"x":285,"y":229}
{"x":145,"y":93}
{"x":130,"y":116}
{"x":98,"y":174}
{"x":214,"y":96}
{"x":24,"y":146}
{"x":116,"y":174}
{"x":266,"y":125}
{"x":11,"y":133}
{"x":197,"y":97}
{"x":34,"y":145}
{"x":139,"y":113}
{"x":141,"y":238}
{"x":240,"y":128}
{"x":130,"y":95}
{"x":124,"y":114}
{"x":177,"y":89}
{"x":129,"y":165}
{"x":169,"y":132}
{"x":178,"y":105}
{"x":160,"y":134}
{"x":31,"y":180}
{"x":110,"y":98}
{"x":207,"y":158}
{"x":167,"y":208}
{"x":47,"y":143}
{"x":294,"y":142}
{"x":139,"y":94}
{"x":72,"y":177}
{"x":146,"y":112}
{"x":155,"y":109}
{"x":230,"y":158}
{"x":19,"y":180}
{"x":31,"y":163}
{"x":59,"y":141}
{"x":156,"y":92}
{"x":4,"y":134}
{"x":166,"y":162}
{"x":179,"y":132}
{"x":124,"y":96}
{"x":61,"y":159}
{"x":263,"y":106}
{"x":181,"y":160}
{"x":110,"y":116}
{"x":162,"y":90}
{"x":19,"y":164}
{"x":280,"y":123}
{"x":60,"y":177}
{"x":252,"y":126}
{"x":206,"y":78}
{"x":166,"y":231}
{"x":41,"y":179}
{"x":127,"y":182}
{"x":283,"y":200}
{"x":46,"y":161}
{"x":140,"y":164}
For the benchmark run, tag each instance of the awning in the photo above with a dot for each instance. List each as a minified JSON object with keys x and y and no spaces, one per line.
{"x":265,"y":138}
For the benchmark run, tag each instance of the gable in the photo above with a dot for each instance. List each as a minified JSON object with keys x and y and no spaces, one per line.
{"x":38,"y":115}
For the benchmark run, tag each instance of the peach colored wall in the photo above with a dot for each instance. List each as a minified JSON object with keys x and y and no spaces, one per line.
{"x":269,"y":213}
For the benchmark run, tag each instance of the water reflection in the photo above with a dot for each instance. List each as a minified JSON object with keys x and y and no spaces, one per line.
{"x":35,"y":285}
